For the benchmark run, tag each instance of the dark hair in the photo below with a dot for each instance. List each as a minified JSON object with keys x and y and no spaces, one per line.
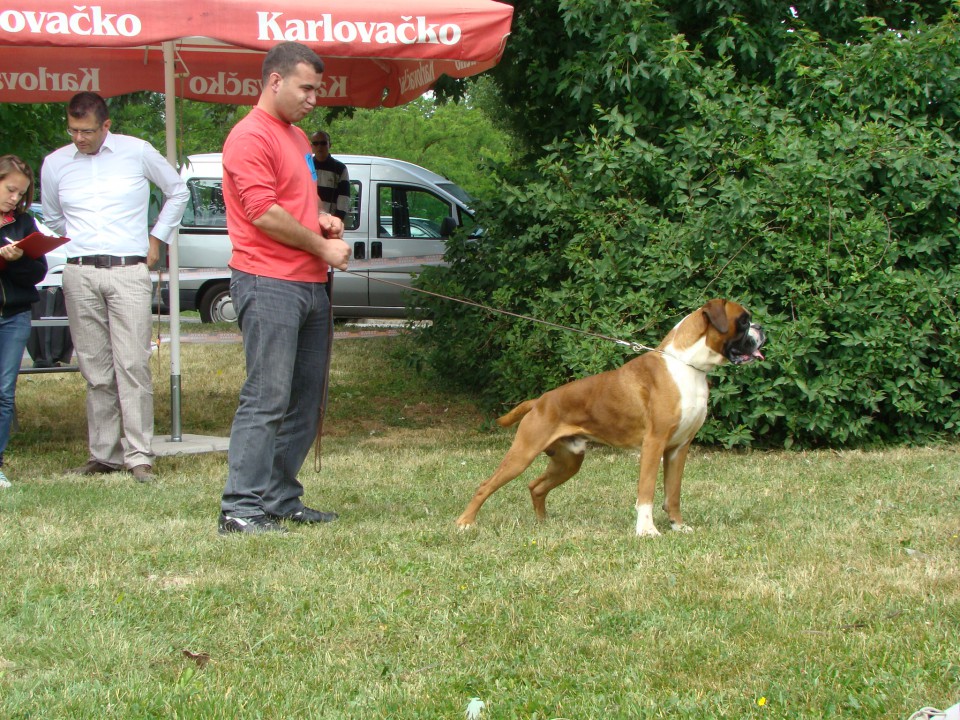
{"x":11,"y":164}
{"x":284,"y":58}
{"x":85,"y":103}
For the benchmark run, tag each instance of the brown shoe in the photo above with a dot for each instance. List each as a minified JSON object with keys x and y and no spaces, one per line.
{"x":94,"y":467}
{"x":143,"y":473}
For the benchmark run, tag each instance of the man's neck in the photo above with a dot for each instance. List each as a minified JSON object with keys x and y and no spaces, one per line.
{"x":270,"y":109}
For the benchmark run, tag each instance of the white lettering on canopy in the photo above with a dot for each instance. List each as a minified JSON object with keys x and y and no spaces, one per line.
{"x":226,"y":84}
{"x":84,"y":80}
{"x":86,"y":21}
{"x":273,"y":26}
{"x":422,"y":76}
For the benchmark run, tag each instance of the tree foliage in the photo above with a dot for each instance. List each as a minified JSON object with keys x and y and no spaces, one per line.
{"x":455,"y":139}
{"x":32,"y":131}
{"x":817,"y":185}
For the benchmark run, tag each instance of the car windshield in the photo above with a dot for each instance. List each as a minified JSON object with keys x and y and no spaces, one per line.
{"x":467,"y":220}
{"x":458,"y":192}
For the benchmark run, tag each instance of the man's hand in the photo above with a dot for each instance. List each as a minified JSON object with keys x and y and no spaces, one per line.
{"x":331,"y":226}
{"x":335,"y":252}
{"x":153,"y":254}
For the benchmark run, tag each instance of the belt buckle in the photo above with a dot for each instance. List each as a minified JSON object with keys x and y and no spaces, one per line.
{"x":102,"y":262}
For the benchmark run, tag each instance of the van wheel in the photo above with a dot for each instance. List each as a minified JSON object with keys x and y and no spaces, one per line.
{"x":217,"y":305}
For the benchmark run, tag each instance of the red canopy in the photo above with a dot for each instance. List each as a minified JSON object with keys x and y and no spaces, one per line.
{"x":376,"y":53}
{"x":379,"y":53}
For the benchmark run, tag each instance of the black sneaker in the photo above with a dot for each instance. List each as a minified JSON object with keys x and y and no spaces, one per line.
{"x":307,"y":516}
{"x":251,"y":525}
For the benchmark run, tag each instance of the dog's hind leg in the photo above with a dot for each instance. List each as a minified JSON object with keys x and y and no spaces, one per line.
{"x":565,"y":462}
{"x":517,"y":459}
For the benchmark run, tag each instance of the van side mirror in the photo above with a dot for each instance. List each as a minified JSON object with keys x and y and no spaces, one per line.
{"x":447,"y":226}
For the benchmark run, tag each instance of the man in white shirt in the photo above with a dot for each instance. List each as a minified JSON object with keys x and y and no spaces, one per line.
{"x":96,"y":191}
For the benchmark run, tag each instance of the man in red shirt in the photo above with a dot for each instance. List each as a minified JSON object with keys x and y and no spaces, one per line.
{"x":283,"y":248}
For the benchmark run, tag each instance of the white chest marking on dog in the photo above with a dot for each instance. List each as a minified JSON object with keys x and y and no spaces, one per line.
{"x":691,"y":381}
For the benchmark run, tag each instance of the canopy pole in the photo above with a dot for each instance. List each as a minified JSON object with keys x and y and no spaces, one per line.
{"x":173,"y":254}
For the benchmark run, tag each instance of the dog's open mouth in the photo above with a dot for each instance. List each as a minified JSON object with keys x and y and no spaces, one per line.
{"x":742,"y":358}
{"x":748,"y":347}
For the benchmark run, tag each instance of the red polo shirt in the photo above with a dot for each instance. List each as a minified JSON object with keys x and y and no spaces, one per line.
{"x":266,"y":162}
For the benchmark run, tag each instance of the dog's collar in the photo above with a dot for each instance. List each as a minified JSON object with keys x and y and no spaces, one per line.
{"x":640,"y":347}
{"x":698,"y":368}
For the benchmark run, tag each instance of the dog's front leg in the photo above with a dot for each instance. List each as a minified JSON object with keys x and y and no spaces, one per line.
{"x":650,"y":456}
{"x":673,"y":464}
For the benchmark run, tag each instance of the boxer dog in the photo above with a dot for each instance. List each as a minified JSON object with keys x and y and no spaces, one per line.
{"x":655,"y":403}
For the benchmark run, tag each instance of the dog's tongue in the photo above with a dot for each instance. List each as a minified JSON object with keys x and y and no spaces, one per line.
{"x":744,"y":359}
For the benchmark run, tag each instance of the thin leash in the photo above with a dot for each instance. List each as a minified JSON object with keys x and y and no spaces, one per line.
{"x":634,"y":346}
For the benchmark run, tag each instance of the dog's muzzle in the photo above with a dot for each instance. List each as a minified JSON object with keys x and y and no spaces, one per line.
{"x":747,"y":347}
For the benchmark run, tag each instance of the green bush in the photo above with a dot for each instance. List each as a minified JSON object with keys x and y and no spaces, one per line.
{"x":825,"y":201}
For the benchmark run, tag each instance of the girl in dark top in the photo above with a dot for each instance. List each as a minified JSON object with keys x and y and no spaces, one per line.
{"x":18,"y":280}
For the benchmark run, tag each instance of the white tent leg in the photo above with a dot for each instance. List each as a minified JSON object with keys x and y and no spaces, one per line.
{"x":176,"y":430}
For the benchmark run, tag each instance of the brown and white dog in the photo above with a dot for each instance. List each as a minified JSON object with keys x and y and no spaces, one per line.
{"x":655,"y":403}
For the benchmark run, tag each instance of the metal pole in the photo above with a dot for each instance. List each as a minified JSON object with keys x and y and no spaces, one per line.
{"x":173,"y":274}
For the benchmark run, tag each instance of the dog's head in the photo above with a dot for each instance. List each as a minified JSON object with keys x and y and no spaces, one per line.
{"x":721,"y":331}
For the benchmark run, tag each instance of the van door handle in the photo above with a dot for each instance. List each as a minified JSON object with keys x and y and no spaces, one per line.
{"x":376,"y":250}
{"x":359,"y":251}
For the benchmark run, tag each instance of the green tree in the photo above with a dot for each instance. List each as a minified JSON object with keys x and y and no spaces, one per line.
{"x":32,"y":131}
{"x":822,"y":192}
{"x":455,"y":139}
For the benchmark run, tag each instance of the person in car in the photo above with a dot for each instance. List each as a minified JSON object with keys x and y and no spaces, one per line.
{"x":333,"y":179}
{"x":18,"y":285}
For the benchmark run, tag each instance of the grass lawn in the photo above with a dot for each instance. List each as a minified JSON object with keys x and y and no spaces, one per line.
{"x":816,"y":585}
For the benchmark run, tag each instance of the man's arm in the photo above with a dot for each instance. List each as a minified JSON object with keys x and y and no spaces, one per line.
{"x":280,"y":225}
{"x":158,"y":171}
{"x":50,"y":199}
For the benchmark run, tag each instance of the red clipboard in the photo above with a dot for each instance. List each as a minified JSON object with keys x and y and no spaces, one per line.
{"x":36,"y":244}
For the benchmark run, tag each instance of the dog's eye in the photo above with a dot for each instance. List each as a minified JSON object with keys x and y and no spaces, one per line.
{"x":743,"y":322}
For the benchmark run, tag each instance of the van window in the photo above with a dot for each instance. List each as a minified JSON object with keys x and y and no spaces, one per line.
{"x":206,"y":207}
{"x":352,"y":220}
{"x":404,"y":211}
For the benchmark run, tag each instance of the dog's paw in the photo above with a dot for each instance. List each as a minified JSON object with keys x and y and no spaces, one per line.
{"x":465,"y":526}
{"x":648,"y":531}
{"x":645,"y":526}
{"x":681,"y":527}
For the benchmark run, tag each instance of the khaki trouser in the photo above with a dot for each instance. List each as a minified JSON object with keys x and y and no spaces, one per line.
{"x":110,"y":323}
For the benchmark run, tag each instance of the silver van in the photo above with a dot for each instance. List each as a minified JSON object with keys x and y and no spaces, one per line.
{"x":400,"y":217}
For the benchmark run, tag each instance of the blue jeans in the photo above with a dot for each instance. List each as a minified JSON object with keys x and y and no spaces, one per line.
{"x":286,"y":340}
{"x":14,"y":333}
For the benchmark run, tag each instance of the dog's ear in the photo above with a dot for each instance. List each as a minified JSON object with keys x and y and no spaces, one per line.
{"x":717,"y":315}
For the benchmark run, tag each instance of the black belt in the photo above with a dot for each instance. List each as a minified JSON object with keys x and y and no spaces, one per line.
{"x":107,"y":261}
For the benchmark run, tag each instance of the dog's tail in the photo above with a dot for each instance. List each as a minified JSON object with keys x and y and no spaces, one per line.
{"x":516,"y":415}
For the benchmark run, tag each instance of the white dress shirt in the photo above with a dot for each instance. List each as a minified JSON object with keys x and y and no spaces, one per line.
{"x":100,"y":201}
